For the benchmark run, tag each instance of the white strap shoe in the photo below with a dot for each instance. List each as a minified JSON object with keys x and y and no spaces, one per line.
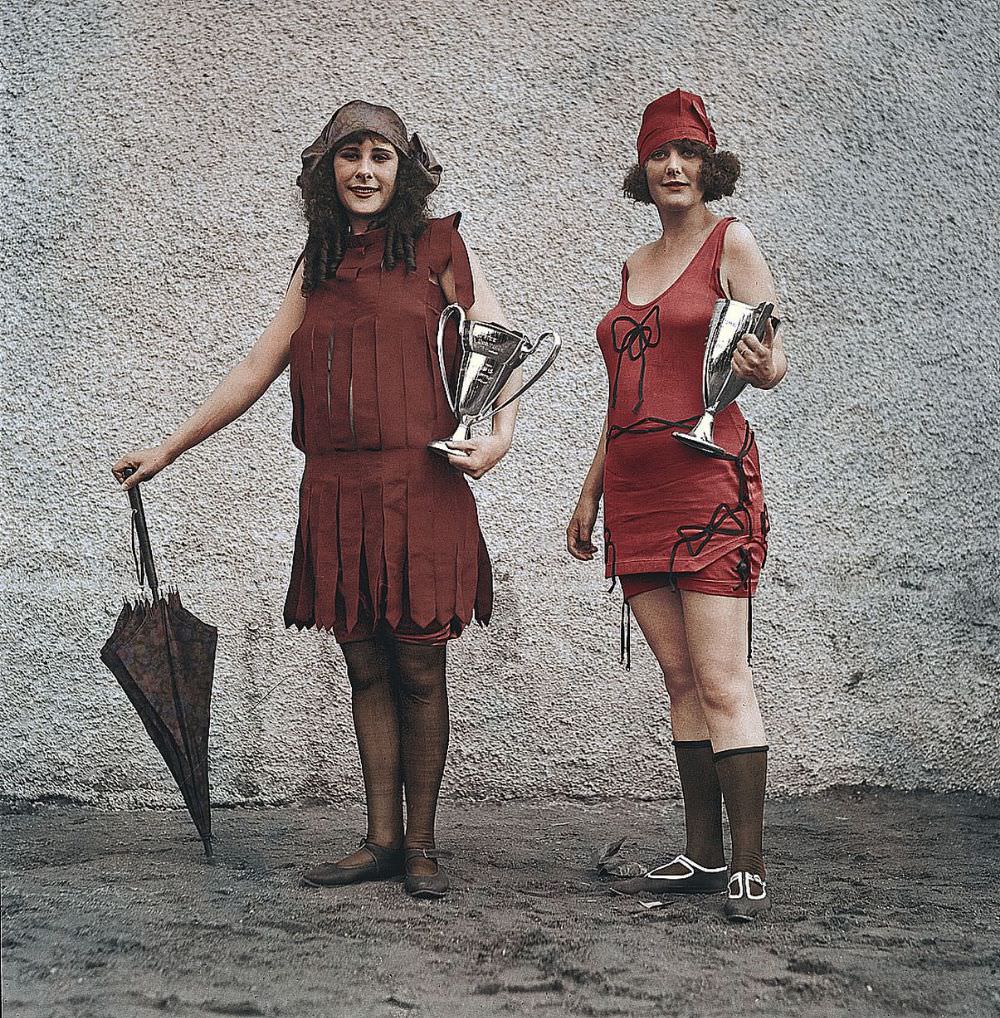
{"x":747,"y":897}
{"x":690,"y":866}
{"x":693,"y":879}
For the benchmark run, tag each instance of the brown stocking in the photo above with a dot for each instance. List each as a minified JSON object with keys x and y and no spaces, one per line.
{"x":702,"y":802}
{"x":376,"y":723}
{"x":423,"y":730}
{"x":743,"y":776}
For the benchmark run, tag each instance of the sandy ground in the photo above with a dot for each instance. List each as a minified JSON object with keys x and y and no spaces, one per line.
{"x":885,"y":904}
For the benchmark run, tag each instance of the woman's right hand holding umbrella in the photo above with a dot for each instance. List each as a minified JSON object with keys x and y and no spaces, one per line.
{"x":146,"y":463}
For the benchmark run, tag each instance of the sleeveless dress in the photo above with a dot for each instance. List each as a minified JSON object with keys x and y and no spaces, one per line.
{"x":668,"y":508}
{"x":388,"y":531}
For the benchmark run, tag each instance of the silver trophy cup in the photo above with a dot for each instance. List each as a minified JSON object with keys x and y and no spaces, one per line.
{"x":489,"y":354}
{"x":720,"y":384}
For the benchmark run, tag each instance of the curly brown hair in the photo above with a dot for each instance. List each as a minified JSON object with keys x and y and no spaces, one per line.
{"x":718,"y":175}
{"x":405,"y":219}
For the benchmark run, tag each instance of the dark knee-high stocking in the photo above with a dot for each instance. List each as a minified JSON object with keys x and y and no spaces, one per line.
{"x":743,"y":777}
{"x":702,"y":802}
{"x":423,"y":730}
{"x":376,"y":723}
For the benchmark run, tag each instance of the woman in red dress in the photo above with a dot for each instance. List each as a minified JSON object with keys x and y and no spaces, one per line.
{"x":685,"y":533}
{"x":388,"y":554}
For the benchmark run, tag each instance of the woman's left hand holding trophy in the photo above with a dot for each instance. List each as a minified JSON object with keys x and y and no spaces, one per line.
{"x":484,"y":453}
{"x":476,"y":455}
{"x":755,"y":360}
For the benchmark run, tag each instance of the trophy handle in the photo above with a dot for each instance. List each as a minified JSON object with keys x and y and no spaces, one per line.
{"x":449,"y":312}
{"x":759,"y":329}
{"x":766,"y":316}
{"x":553,"y":354}
{"x":701,"y":436}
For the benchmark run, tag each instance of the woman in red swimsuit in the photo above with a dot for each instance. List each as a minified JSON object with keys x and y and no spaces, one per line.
{"x":686,"y":533}
{"x":388,"y":553}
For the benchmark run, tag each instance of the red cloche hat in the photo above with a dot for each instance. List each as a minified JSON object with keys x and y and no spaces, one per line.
{"x":676,"y":115}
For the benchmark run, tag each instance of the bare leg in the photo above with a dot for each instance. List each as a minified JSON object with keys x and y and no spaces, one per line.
{"x":661,"y":619}
{"x":716,"y":636}
{"x":660,"y":616}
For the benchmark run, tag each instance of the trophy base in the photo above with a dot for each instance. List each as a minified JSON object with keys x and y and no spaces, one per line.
{"x":702,"y":445}
{"x":441,"y":448}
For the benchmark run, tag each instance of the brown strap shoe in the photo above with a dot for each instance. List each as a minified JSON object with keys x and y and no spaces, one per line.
{"x":384,"y":863}
{"x":433,"y":885}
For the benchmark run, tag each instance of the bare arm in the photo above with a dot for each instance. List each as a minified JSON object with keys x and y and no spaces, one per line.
{"x":245,"y":383}
{"x":746,"y":278}
{"x":580,"y":531}
{"x":485,"y":453}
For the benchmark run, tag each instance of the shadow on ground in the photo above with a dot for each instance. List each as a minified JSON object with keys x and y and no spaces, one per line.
{"x":885,"y":904}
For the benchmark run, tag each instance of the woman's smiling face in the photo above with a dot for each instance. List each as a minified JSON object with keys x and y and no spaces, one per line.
{"x":365,"y":173}
{"x":673,"y":174}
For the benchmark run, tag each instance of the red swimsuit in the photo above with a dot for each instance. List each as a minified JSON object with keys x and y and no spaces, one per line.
{"x":699,"y":523}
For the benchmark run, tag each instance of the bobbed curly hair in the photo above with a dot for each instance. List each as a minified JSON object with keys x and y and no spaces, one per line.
{"x":405,"y":219}
{"x":718,"y":175}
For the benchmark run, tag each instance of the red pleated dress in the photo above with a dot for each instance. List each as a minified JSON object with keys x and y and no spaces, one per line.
{"x":388,"y":531}
{"x":668,"y":508}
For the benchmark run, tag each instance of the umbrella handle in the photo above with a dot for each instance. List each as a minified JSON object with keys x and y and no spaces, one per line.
{"x":140,"y":531}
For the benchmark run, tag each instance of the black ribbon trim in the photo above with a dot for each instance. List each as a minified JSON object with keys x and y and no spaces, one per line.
{"x":647,"y":426}
{"x":610,"y":558}
{"x":633,"y":338}
{"x":726,"y":520}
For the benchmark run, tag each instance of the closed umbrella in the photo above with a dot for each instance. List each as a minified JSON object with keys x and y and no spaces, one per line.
{"x":163,"y":658}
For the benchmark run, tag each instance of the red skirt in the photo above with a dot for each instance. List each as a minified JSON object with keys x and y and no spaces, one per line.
{"x":387,"y":536}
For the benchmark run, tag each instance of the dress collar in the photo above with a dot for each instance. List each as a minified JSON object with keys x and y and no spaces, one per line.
{"x":367,"y":239}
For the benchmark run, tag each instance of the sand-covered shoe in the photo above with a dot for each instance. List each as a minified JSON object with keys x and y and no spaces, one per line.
{"x":426,"y":885}
{"x":382,"y":864}
{"x":747,"y":897}
{"x":687,"y":877}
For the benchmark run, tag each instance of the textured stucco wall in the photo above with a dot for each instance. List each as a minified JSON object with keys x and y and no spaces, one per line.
{"x":149,"y":226}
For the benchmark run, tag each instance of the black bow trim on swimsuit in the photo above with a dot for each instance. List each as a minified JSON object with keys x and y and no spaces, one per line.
{"x":634,"y":338}
{"x":743,"y":572}
{"x":626,"y":636}
{"x":610,"y":558}
{"x":647,"y":426}
{"x":726,"y":520}
{"x":748,"y":444}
